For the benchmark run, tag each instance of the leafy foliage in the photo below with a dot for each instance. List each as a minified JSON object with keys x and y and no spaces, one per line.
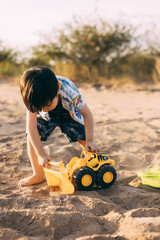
{"x":9,"y":65}
{"x":6,"y":54}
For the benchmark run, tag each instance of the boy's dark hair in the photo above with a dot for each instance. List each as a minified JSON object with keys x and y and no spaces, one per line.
{"x":39,"y":86}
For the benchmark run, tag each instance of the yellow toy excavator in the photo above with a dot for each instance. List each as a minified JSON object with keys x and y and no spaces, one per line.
{"x":94,"y":169}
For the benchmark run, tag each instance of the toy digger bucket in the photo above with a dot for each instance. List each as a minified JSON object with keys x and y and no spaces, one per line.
{"x":151,"y":177}
{"x":59,"y":179}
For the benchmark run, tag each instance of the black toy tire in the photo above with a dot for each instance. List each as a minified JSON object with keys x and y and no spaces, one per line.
{"x":104,"y":169}
{"x":79,"y":174}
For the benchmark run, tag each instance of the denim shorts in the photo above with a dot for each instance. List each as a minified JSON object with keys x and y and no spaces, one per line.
{"x":73,"y":130}
{"x":60,"y":117}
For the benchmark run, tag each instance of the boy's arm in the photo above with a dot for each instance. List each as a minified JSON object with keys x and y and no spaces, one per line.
{"x":35,"y":139}
{"x":89,"y":127}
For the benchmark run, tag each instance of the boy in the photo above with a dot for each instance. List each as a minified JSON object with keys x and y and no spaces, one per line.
{"x":52,"y":101}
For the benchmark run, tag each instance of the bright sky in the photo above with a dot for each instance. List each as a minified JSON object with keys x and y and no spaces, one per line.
{"x":21,"y":21}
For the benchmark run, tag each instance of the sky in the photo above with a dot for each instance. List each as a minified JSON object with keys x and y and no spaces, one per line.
{"x":23,"y":21}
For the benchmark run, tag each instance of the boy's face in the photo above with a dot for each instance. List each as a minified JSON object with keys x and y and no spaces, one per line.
{"x":52,"y":105}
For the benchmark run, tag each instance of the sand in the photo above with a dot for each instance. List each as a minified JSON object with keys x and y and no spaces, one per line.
{"x":127,"y":128}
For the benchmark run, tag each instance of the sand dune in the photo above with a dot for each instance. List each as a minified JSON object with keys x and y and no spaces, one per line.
{"x":127,"y":128}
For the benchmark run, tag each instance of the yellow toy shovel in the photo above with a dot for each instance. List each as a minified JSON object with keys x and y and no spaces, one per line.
{"x":59,"y":179}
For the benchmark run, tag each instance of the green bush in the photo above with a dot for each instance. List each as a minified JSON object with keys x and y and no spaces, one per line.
{"x":86,"y":46}
{"x":8,"y":69}
{"x":139,"y":67}
{"x":9,"y":65}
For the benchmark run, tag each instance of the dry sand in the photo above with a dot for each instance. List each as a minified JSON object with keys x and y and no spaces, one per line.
{"x":127,"y":128}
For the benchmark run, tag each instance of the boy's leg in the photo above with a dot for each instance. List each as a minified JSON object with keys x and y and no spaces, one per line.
{"x":38,"y":174}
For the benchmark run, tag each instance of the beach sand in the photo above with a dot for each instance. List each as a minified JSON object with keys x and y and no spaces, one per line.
{"x":127,"y":128}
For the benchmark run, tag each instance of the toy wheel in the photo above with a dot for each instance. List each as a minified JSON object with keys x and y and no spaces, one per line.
{"x":106,"y":176}
{"x":84,"y":178}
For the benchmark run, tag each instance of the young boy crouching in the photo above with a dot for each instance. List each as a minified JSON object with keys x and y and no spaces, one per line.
{"x":52,"y":101}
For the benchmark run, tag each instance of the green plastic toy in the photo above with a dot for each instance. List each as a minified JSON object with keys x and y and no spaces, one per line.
{"x":151,"y":177}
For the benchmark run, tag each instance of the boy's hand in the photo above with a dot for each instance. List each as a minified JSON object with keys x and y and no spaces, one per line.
{"x":43,"y":160}
{"x":91,"y":147}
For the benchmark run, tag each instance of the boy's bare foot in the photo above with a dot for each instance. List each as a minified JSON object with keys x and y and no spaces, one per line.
{"x":31,"y":180}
